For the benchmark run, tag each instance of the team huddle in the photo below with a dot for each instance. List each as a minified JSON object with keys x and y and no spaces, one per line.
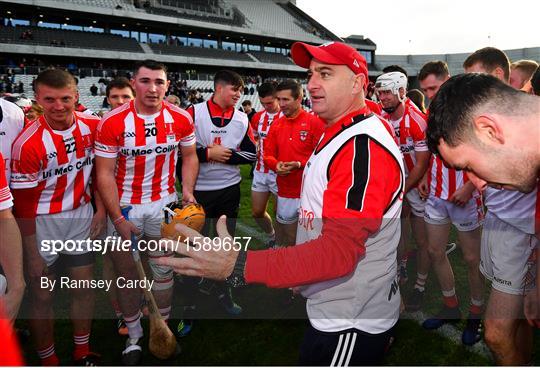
{"x":352,"y":180}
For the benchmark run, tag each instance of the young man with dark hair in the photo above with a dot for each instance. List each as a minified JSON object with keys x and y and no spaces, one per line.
{"x":488,"y":60}
{"x":345,"y":259}
{"x":508,"y":242}
{"x":52,"y":163}
{"x":264,"y":179}
{"x":224,"y":141}
{"x":289,"y":144}
{"x":248,"y":109}
{"x":431,"y":76}
{"x":451,"y":200}
{"x":119,"y":91}
{"x":137,"y":147}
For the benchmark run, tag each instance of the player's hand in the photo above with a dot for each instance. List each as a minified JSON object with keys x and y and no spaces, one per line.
{"x":187,"y":198}
{"x":292,"y":165}
{"x":99,"y":222}
{"x":218,"y":153}
{"x":530,"y":308}
{"x":462,"y":195}
{"x":423,"y":188}
{"x":126,"y":228}
{"x":12,"y":300}
{"x":282,"y":169}
{"x":214,"y":263}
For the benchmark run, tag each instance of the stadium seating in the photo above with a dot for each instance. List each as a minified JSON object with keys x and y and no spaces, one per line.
{"x":112,"y":4}
{"x":268,"y":57}
{"x":68,"y":38}
{"x":188,"y":51}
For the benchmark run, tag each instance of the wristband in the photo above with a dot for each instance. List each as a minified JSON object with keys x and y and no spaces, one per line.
{"x":119,"y":220}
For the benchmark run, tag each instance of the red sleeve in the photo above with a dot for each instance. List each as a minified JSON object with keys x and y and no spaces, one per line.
{"x":108,"y":135}
{"x":11,"y":352}
{"x":270,"y":151}
{"x":353,"y":206}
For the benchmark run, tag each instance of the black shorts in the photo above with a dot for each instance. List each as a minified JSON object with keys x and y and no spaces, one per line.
{"x":219,"y":202}
{"x":71,"y":260}
{"x":344,"y":348}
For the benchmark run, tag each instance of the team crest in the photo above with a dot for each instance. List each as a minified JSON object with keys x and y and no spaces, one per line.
{"x":303,"y":135}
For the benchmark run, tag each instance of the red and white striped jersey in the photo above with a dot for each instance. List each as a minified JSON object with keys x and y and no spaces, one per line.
{"x":260,"y":124}
{"x":54,"y":167}
{"x":443,"y":181}
{"x":11,"y":124}
{"x":146,"y":148}
{"x":411,"y":134}
{"x":6,"y":200}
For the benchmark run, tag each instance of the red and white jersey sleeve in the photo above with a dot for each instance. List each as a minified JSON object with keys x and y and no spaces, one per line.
{"x":260,"y":124}
{"x":50,"y":169}
{"x":6,"y":200}
{"x":146,"y":149}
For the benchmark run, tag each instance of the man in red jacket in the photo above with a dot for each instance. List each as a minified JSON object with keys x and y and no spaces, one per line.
{"x":345,"y":258}
{"x":289,"y":145}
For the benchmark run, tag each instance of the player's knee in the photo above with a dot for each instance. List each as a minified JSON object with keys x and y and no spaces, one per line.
{"x":496,"y":333}
{"x":436,"y":253}
{"x":472,"y":260}
{"x":162,"y":276}
{"x":257,"y":212}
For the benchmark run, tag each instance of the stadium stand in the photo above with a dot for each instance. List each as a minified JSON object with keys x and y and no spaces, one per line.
{"x":114,"y":4}
{"x":199,"y":52}
{"x":267,"y":57}
{"x":68,"y":38}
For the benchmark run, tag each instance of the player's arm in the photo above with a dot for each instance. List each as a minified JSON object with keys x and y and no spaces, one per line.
{"x":270,"y":148}
{"x":99,"y":220}
{"x":106,"y":147}
{"x":418,"y":171}
{"x":11,"y":262}
{"x":421,"y":151}
{"x":190,"y":171}
{"x":354,"y":204}
{"x":247,"y":152}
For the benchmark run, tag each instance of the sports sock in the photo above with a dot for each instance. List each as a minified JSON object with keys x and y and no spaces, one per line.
{"x":133,"y":324}
{"x":450,"y":298}
{"x":82,"y":345}
{"x":476,"y":307}
{"x":48,"y":356}
{"x":420,"y":283}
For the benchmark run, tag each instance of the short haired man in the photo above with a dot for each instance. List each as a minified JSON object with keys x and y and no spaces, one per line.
{"x":264,"y":179}
{"x":521,"y":72}
{"x":409,"y":124}
{"x":52,"y":163}
{"x":119,"y":91}
{"x":493,"y":139}
{"x":348,"y":233}
{"x":451,"y":199}
{"x":248,"y":109}
{"x":431,"y":76}
{"x":224,"y":141}
{"x":290,"y":143}
{"x":508,"y":246}
{"x":137,"y":147}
